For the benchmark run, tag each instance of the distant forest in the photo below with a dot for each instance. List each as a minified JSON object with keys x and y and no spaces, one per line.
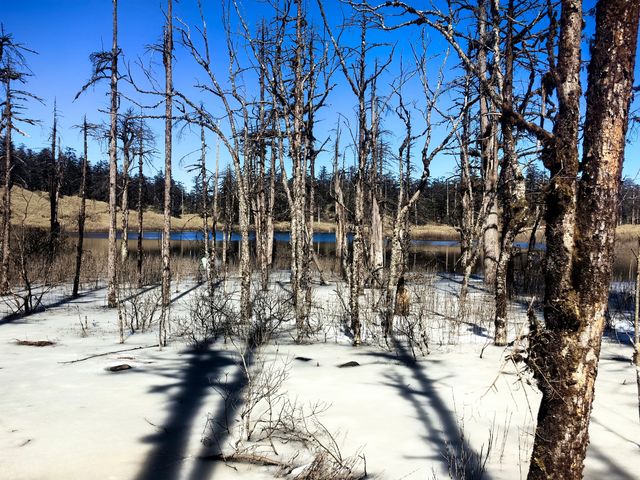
{"x":439,"y":203}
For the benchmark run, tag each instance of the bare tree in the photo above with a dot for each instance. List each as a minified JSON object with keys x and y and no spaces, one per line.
{"x":113,"y":164}
{"x":86,"y":127}
{"x":360,"y":82}
{"x":581,"y":215}
{"x":236,"y":110}
{"x":407,"y":199}
{"x":105,"y":66}
{"x":13,"y":72}
{"x":340,"y":209}
{"x":127,"y":136}
{"x":167,"y":59}
{"x":54,"y":184}
{"x":581,"y":220}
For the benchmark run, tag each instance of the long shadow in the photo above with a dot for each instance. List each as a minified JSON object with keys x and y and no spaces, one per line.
{"x":65,"y":299}
{"x":188,"y":291}
{"x":205,"y":366}
{"x":613,"y":470}
{"x":442,"y":428}
{"x":165,"y":461}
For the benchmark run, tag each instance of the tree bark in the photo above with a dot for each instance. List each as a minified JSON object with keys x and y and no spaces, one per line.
{"x":113,"y":166}
{"x":564,"y":356}
{"x":82,"y":211}
{"x":139,"y":251}
{"x":6,"y":194}
{"x":54,"y":186}
{"x":489,"y":157}
{"x":167,"y":55}
{"x":124,"y":199}
{"x":512,"y":191}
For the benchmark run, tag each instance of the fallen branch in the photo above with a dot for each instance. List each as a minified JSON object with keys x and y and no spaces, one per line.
{"x":109,"y":353}
{"x":244,"y":458}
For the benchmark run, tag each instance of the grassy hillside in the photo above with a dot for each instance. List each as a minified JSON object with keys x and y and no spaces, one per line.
{"x":33,"y":209}
{"x":36,"y":207}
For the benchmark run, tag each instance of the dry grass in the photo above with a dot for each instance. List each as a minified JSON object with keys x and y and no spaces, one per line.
{"x":434,"y":232}
{"x":36,"y":206}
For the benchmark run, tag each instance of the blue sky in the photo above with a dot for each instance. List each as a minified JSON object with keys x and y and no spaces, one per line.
{"x":65,"y":32}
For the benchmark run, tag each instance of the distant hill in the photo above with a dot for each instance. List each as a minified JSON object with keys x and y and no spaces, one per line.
{"x":35,"y":205}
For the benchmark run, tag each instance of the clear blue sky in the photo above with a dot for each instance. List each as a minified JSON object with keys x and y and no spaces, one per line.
{"x":65,"y":32}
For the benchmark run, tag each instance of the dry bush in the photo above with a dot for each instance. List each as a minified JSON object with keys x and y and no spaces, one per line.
{"x":32,"y":262}
{"x":138,"y":308}
{"x":271,"y":310}
{"x":268,"y":421}
{"x":208,"y":317}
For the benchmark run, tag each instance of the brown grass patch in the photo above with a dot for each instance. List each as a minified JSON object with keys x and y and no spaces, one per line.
{"x":36,"y":207}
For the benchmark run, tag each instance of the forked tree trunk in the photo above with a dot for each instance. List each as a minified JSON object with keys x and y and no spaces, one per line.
{"x":514,"y":202}
{"x":113,"y":166}
{"x":489,"y":158}
{"x":564,"y":356}
{"x":82,"y":211}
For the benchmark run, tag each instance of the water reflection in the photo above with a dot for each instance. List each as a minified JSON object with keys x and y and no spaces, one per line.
{"x":438,"y":255}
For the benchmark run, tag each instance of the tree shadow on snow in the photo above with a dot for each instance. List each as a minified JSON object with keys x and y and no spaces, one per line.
{"x":205,"y":366}
{"x":441,"y":425}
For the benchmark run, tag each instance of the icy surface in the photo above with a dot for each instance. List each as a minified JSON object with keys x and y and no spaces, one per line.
{"x":77,"y":420}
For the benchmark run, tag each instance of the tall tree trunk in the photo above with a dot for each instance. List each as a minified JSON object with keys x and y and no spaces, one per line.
{"x":340,"y":212}
{"x":113,"y":166}
{"x":209,"y":253}
{"x":564,"y":356}
{"x":467,"y":225}
{"x":6,"y":193}
{"x":489,"y":157}
{"x":270,"y":205}
{"x":139,"y":251}
{"x":124,"y":244}
{"x":167,"y":56}
{"x":215,"y":212}
{"x":376,"y":244}
{"x":54,"y":182}
{"x":514,"y":202}
{"x":82,"y":211}
{"x":299,"y":264}
{"x":636,"y":325}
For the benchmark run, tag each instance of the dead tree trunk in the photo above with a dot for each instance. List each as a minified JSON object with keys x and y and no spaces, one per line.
{"x":489,"y":155}
{"x":209,"y":252}
{"x":82,"y":211}
{"x":636,"y":325}
{"x":512,"y":189}
{"x":581,"y":219}
{"x":6,"y":193}
{"x":54,"y":186}
{"x":124,"y":199}
{"x":139,"y":251}
{"x":167,"y":57}
{"x":340,"y":212}
{"x":113,"y":166}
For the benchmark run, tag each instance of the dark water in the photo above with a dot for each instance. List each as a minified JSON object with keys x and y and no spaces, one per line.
{"x":438,"y":255}
{"x":441,"y":255}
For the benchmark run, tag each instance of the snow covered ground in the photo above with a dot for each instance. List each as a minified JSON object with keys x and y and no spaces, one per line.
{"x":163,"y":417}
